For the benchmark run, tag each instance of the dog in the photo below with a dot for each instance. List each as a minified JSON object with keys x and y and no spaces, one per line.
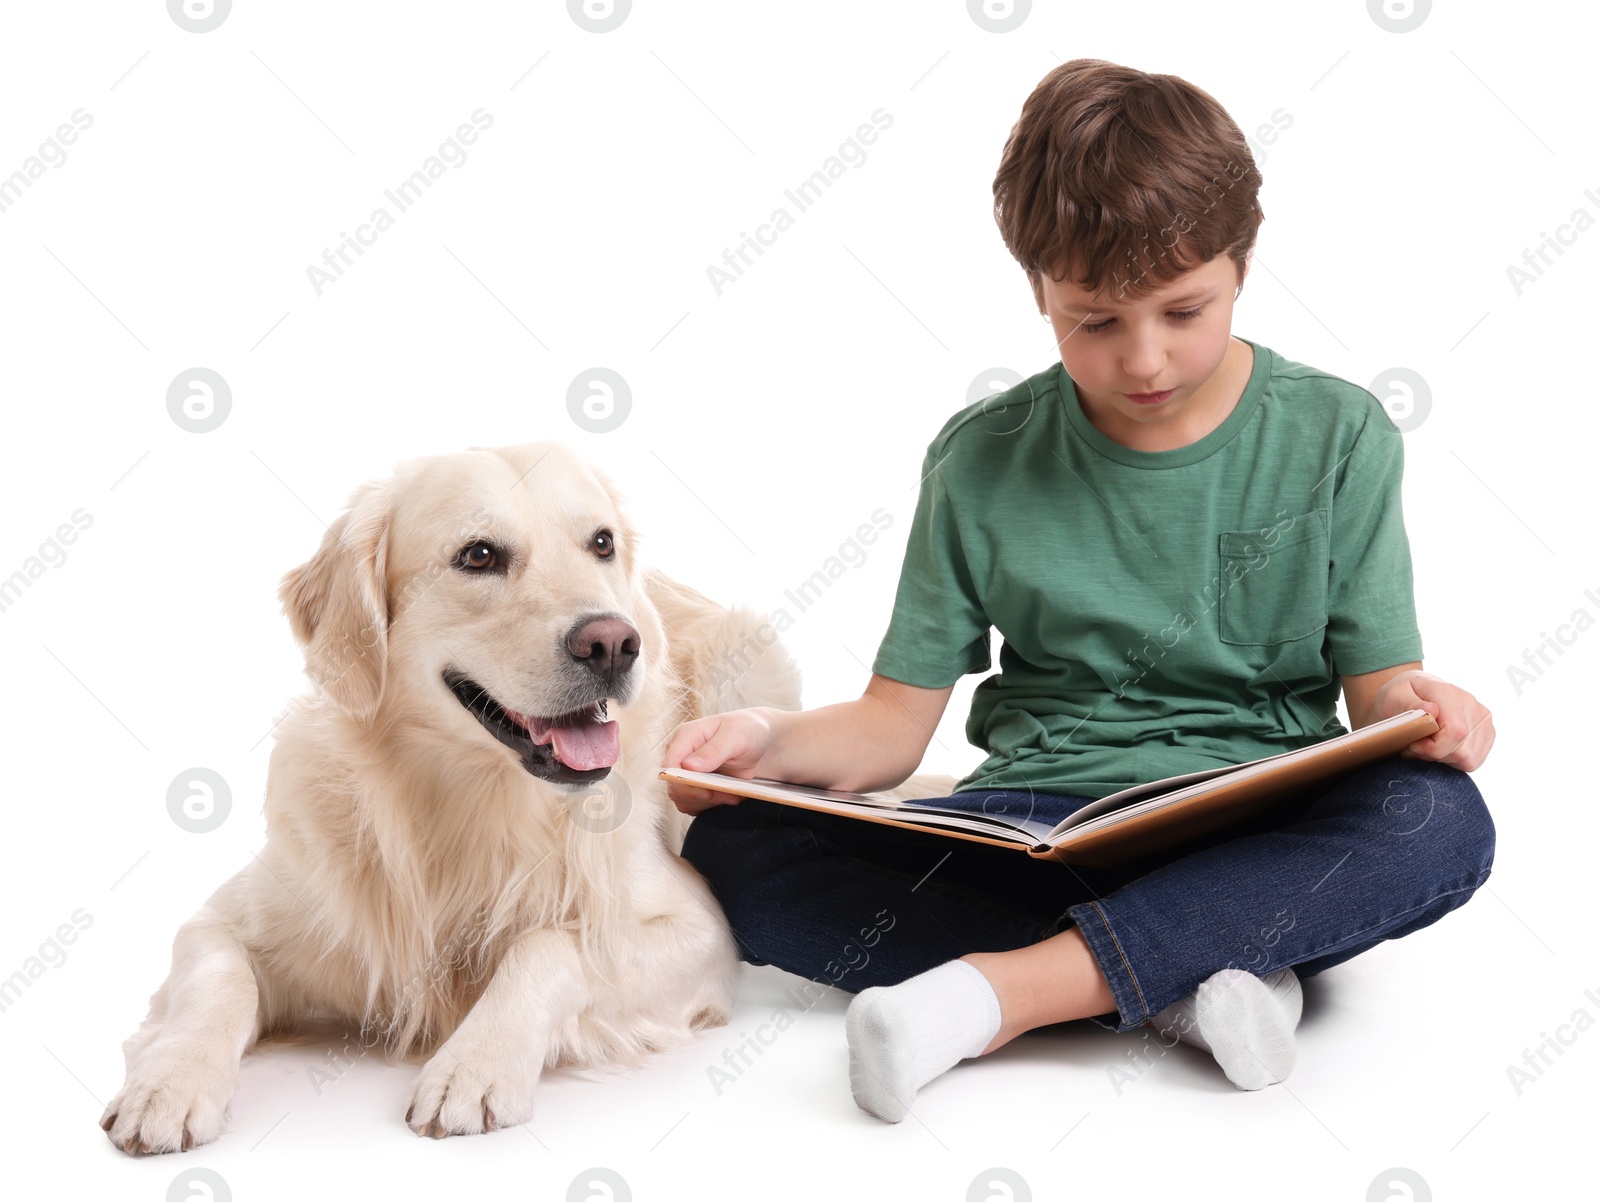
{"x":469,"y":852}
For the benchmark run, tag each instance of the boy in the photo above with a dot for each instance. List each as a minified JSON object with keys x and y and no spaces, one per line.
{"x":1190,"y":545}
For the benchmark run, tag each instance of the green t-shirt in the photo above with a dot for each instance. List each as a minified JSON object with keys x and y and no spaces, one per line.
{"x":1162,"y":611}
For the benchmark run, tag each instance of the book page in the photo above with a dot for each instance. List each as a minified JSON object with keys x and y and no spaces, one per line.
{"x":1030,"y":832}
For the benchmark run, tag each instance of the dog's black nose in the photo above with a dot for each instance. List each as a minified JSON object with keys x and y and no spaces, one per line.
{"x":608,"y":646}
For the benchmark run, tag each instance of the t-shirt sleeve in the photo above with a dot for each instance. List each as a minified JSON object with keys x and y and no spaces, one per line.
{"x":1372,"y":618}
{"x":938,"y":631}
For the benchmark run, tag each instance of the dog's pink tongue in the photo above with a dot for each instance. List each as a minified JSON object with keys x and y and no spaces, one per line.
{"x":586,"y":746}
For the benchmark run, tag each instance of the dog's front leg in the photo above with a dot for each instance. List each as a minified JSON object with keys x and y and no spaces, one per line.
{"x":483,"y":1077}
{"x":183,"y":1063}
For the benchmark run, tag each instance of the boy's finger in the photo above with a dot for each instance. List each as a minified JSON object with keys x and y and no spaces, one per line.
{"x":692,"y":800}
{"x":683,"y":796}
{"x":710,"y":755}
{"x":687,"y":738}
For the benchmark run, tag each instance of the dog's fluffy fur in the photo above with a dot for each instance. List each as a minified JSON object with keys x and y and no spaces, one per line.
{"x":421,"y":878}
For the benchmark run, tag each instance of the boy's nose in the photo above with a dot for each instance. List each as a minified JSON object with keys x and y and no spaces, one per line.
{"x":1144,"y":360}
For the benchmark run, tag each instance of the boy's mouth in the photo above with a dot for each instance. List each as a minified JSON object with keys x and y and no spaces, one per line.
{"x":1149,"y":398}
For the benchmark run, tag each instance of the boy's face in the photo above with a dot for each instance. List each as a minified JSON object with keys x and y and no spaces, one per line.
{"x":1113,"y":348}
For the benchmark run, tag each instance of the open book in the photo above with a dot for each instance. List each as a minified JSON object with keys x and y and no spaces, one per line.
{"x":1134,"y":822}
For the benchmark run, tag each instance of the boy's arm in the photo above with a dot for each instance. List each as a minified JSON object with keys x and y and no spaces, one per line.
{"x":874,"y":742}
{"x":860,"y":746}
{"x":1361,"y":692}
{"x":1466,"y":728}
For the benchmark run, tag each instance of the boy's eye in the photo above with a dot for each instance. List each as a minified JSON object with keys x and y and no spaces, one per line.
{"x":1097,"y":327}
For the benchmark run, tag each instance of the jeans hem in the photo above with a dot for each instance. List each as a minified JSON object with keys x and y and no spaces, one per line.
{"x":1104,"y":946}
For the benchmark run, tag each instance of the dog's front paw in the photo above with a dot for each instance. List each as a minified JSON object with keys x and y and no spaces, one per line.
{"x":471,"y":1086}
{"x":174,"y":1099}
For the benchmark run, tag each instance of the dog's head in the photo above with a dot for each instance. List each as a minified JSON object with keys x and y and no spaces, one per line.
{"x":499,"y":585}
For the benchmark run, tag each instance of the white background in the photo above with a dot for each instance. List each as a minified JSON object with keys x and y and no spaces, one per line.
{"x":767,"y":423}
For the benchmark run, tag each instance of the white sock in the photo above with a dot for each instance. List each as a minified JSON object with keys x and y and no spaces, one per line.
{"x":1246,"y":1022}
{"x":903,"y":1036}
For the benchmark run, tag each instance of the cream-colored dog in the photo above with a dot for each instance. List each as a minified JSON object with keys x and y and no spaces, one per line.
{"x":469,"y":853}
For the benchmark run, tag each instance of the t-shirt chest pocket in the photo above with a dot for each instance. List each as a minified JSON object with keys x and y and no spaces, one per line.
{"x":1274,"y":591}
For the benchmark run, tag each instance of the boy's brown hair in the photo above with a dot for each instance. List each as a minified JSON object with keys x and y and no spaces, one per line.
{"x":1129,"y":178}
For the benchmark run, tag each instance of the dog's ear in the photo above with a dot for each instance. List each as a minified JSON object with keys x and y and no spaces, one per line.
{"x":338,"y":605}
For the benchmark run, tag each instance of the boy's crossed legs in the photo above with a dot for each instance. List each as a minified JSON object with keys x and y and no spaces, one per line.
{"x":1178,"y":943}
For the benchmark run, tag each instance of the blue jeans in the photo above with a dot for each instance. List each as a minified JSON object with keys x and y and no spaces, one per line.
{"x":1326,"y":874}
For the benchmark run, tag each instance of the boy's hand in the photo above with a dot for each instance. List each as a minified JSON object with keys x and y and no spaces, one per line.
{"x":1466,"y":728}
{"x":730,"y":743}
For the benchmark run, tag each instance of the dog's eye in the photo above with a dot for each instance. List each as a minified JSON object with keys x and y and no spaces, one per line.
{"x":479,"y":557}
{"x":604,"y":544}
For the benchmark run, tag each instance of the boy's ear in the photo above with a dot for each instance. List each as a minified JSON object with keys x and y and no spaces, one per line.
{"x":338,"y":605}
